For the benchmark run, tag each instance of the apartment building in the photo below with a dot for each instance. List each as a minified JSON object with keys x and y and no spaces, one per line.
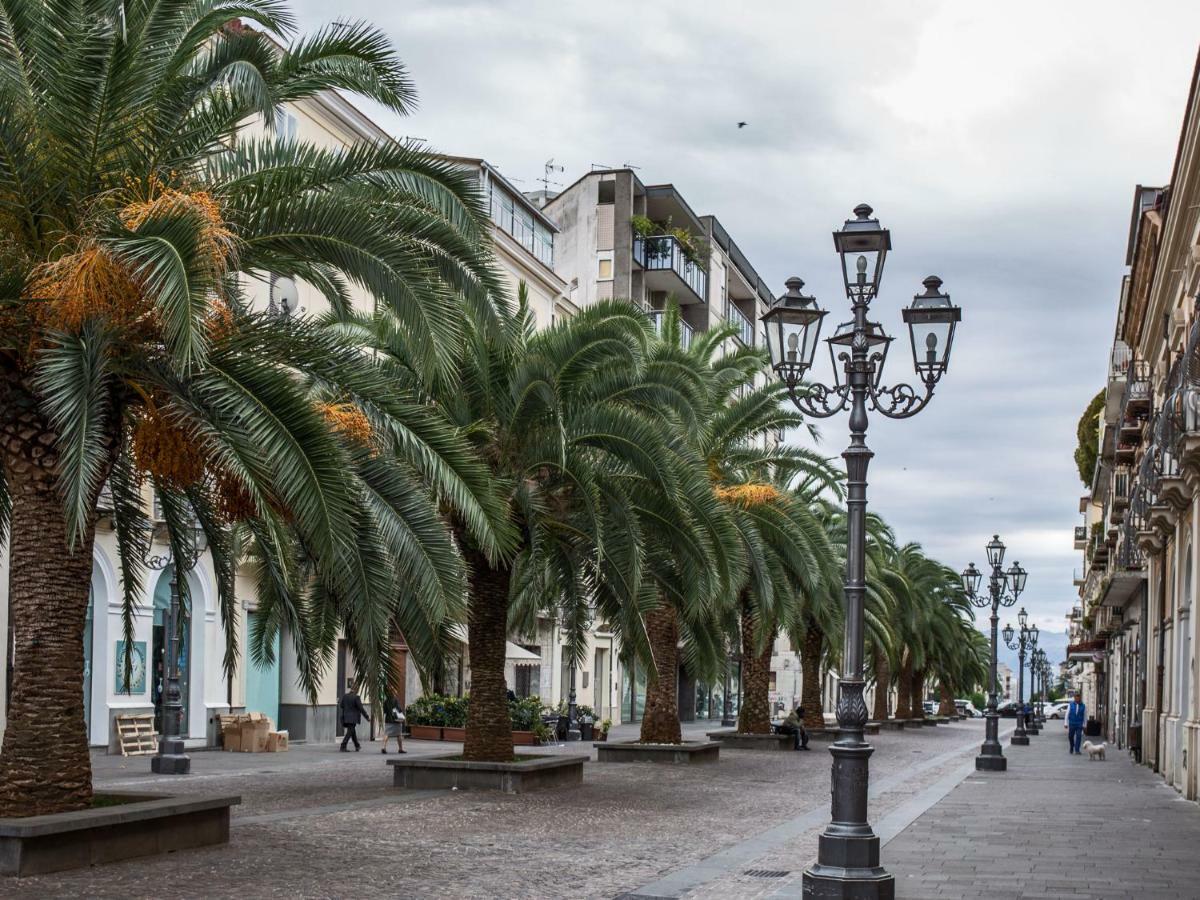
{"x":1133,"y":635}
{"x":620,"y":238}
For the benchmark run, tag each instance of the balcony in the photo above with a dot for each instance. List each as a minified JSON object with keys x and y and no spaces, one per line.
{"x":741,"y":321}
{"x":1118,"y":368}
{"x":667,"y":268}
{"x":1135,"y":401}
{"x":686,"y":331}
{"x":1080,"y":537}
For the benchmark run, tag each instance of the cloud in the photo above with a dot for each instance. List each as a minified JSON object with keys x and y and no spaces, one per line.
{"x":999,"y":142}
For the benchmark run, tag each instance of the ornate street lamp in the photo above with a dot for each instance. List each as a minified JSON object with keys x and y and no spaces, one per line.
{"x":181,"y":556}
{"x":1031,"y":725}
{"x":1019,"y":641}
{"x":848,"y":856}
{"x":1003,"y":590}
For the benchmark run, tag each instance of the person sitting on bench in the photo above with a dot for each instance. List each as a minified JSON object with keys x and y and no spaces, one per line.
{"x":794,"y":725}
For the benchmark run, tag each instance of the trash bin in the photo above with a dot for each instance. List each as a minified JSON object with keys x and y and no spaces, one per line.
{"x":1092,"y":728}
{"x":587,"y":729}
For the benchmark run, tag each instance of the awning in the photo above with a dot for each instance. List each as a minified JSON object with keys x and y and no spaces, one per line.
{"x":511,"y":651}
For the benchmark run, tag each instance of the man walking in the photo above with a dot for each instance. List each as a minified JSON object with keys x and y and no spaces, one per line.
{"x":351,"y":711}
{"x":1076,"y":716}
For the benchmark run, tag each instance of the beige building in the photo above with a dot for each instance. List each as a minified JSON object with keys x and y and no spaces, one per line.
{"x":1133,"y":637}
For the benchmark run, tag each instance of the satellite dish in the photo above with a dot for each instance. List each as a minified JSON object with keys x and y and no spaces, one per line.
{"x":285,"y":296}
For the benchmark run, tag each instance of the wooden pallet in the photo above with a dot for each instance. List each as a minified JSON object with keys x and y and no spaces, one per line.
{"x":136,"y":735}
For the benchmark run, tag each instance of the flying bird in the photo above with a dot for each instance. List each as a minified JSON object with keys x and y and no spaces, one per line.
{"x":742,"y":124}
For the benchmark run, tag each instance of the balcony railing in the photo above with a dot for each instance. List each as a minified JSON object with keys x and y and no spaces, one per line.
{"x":1080,"y":537}
{"x":736,"y":317}
{"x":686,"y":331}
{"x":1122,"y":356}
{"x":663,"y":252}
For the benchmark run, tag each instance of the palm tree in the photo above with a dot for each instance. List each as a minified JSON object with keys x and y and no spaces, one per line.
{"x":562,"y":419}
{"x":767,"y":538}
{"x":131,"y":220}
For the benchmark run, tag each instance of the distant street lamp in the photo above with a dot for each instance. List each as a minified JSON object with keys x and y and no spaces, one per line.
{"x":1019,"y":641}
{"x":1031,"y":726}
{"x":170,"y":758}
{"x":1003,"y":590}
{"x":848,"y":854}
{"x":727,"y":719}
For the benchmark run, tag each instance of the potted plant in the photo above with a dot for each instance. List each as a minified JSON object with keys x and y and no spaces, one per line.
{"x":425,"y":716}
{"x":585,"y":718}
{"x":455,"y":728}
{"x":526,"y":714}
{"x":602,"y":733}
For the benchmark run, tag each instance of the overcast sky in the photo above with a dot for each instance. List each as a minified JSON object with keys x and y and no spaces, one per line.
{"x":1000,"y":143}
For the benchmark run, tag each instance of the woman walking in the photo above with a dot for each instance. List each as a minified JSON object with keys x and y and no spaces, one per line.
{"x":393,"y":723}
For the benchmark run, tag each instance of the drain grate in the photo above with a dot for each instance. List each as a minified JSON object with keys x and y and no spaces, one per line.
{"x":767,"y":873}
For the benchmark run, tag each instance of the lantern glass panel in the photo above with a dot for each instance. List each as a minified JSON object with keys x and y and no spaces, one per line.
{"x":863,"y":245}
{"x":971,"y":577}
{"x":1023,"y":617}
{"x":995,"y":551}
{"x":931,"y":319}
{"x":1017,"y":576}
{"x":793,"y":330}
{"x":1008,"y":634}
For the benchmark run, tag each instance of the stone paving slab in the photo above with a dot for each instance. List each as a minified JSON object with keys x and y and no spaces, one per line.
{"x":1053,"y":825}
{"x":316,"y":823}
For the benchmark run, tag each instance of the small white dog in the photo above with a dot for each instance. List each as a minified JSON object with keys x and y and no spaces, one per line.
{"x":1094,"y":751}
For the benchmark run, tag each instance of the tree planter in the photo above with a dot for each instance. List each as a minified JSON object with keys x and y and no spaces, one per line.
{"x":438,"y":772}
{"x":893,"y":724}
{"x":147,"y":825}
{"x":426,"y":732}
{"x":454,"y":734}
{"x":731,"y":740}
{"x":687,"y":753}
{"x":524,"y":739}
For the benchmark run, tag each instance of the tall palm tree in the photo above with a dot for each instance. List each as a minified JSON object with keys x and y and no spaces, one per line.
{"x":562,"y":419}
{"x":131,"y":220}
{"x":773,"y":545}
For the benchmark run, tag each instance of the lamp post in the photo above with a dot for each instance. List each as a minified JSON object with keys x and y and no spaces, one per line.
{"x":1003,"y":590}
{"x":1019,"y":641}
{"x":1031,"y":637}
{"x":170,"y":758}
{"x":727,"y":719}
{"x":848,"y":855}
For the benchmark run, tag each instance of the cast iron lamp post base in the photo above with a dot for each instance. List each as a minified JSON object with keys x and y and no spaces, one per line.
{"x":1019,"y":740}
{"x":171,"y":760}
{"x":991,"y":754}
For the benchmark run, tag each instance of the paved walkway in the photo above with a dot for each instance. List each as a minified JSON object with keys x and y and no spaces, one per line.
{"x":1054,"y":825}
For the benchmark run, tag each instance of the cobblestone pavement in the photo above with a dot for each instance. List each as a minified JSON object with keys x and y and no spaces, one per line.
{"x":1054,"y":825}
{"x":317,"y":823}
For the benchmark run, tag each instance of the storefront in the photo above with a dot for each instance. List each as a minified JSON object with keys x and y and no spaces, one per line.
{"x":698,"y":700}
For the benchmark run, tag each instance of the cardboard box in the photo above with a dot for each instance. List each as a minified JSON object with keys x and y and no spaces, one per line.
{"x":231,"y":737}
{"x":277,"y":742}
{"x":254,"y":730}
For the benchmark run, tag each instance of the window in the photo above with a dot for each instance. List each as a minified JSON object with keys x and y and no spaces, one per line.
{"x":285,"y":125}
{"x":605,"y":272}
{"x":607,"y":192}
{"x":520,"y":222}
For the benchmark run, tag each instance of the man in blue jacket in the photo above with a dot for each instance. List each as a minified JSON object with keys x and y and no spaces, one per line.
{"x":1076,"y":716}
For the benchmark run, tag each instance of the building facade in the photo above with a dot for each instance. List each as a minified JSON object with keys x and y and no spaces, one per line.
{"x":1133,"y":636}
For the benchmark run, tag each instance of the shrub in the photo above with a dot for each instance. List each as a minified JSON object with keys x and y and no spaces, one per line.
{"x":526,"y":713}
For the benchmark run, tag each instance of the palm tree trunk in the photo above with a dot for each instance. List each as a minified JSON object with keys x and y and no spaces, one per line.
{"x":947,"y":707}
{"x":44,"y":761}
{"x":755,"y":715}
{"x":489,"y":724}
{"x":660,"y":722}
{"x":904,"y":688}
{"x":810,"y":669}
{"x":916,"y":694}
{"x":883,"y":677}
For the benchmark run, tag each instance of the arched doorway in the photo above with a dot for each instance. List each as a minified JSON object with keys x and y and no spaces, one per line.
{"x":162,"y":604}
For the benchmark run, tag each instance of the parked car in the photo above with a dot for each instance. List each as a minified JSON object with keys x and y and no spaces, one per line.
{"x":930,"y":708}
{"x":967,"y":708}
{"x":1008,"y":709}
{"x":1057,"y":710}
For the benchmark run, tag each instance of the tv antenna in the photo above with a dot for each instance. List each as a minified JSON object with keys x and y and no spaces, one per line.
{"x":550,"y":168}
